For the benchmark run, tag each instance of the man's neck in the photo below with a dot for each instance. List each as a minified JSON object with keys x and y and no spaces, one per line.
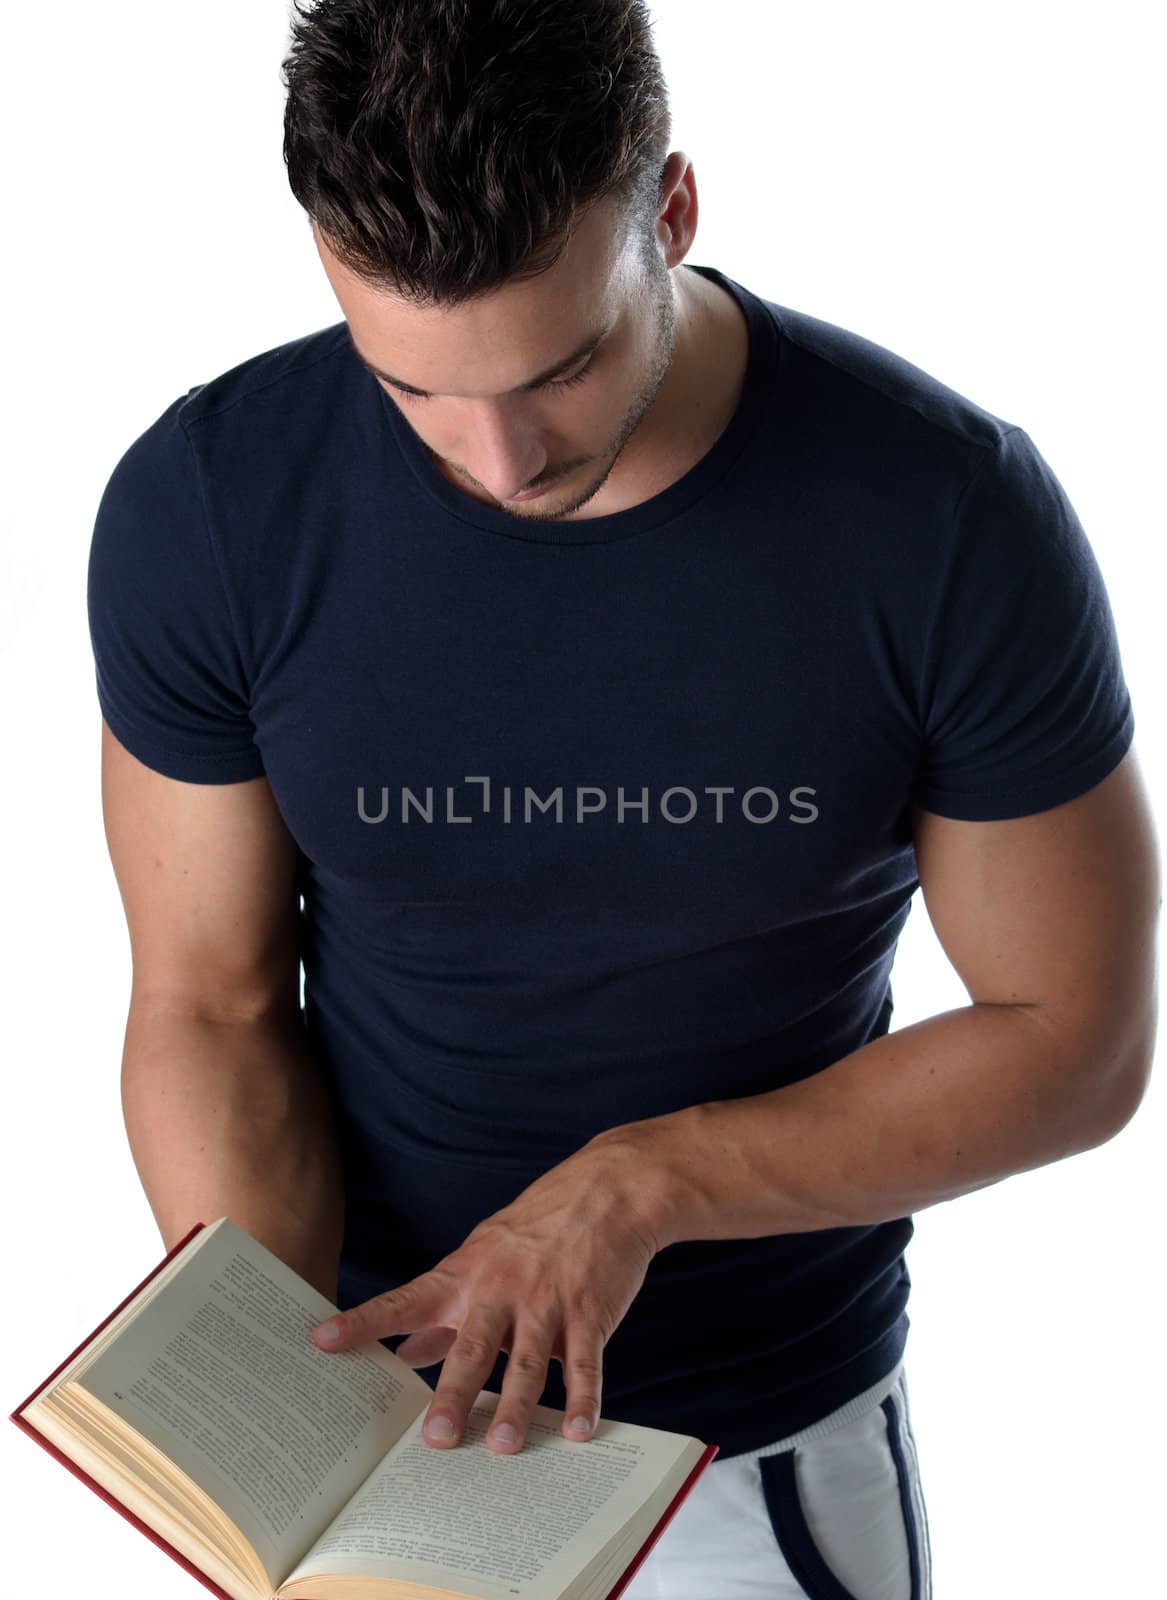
{"x":696,"y":401}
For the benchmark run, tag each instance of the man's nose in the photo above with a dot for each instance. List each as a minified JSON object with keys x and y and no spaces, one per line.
{"x":503,"y":452}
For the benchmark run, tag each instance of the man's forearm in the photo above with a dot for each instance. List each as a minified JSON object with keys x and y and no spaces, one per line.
{"x":232,"y":1119}
{"x":932,"y":1111}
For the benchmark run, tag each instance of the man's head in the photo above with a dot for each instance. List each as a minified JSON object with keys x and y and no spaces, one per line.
{"x":488,"y":187}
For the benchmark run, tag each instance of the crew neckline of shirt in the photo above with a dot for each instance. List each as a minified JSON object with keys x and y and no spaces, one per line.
{"x":761,"y":371}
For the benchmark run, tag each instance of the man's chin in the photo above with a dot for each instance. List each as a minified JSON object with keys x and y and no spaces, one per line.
{"x":562,"y":497}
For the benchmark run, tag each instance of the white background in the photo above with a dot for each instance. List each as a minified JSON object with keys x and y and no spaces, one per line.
{"x":976,"y":189}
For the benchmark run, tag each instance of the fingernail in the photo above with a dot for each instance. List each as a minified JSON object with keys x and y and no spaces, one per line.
{"x":580,"y":1425}
{"x":440,"y":1428}
{"x":328,"y":1332}
{"x":504,"y":1433}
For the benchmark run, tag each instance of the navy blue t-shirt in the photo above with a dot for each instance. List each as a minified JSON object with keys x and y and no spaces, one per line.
{"x":602,"y":818}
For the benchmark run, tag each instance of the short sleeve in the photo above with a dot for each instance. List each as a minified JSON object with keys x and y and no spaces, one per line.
{"x":1024,"y":704}
{"x":170,"y":681}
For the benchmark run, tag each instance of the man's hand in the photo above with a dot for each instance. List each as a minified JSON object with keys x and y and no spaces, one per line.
{"x":550,"y":1275}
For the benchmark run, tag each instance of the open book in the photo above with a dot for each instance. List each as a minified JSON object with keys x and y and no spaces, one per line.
{"x":202,"y":1411}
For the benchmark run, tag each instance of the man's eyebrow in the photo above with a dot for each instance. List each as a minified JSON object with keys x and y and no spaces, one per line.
{"x":540,"y":378}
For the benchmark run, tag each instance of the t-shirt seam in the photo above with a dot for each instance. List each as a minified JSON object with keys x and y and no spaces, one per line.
{"x":334,"y":349}
{"x":217,"y":563}
{"x":894,"y":399}
{"x":148,"y":737}
{"x":989,"y":454}
{"x":1067,"y":776}
{"x":581,"y":543}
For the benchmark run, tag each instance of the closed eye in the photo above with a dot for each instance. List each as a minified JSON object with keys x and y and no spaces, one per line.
{"x":555,"y":383}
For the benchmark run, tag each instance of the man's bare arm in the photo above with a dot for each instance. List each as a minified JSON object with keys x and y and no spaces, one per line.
{"x":1051,"y":921}
{"x":225,"y":1109}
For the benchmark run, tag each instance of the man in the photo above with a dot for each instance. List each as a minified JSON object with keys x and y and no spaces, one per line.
{"x":605,"y":654}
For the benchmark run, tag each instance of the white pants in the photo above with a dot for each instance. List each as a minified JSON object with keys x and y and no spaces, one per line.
{"x":840,"y":1517}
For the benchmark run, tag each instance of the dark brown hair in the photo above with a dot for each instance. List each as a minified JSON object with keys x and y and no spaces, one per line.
{"x":443,"y":147}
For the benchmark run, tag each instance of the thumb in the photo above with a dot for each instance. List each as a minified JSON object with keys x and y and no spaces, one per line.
{"x":426,"y":1348}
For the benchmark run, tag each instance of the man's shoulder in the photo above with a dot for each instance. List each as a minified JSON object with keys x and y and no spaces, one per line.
{"x":275,"y":377}
{"x":868,"y":383}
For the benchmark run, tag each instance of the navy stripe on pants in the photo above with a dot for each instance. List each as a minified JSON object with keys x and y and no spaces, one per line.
{"x":840,"y":1517}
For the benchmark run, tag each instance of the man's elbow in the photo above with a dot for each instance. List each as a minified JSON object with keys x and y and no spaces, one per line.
{"x":1128,"y":1084}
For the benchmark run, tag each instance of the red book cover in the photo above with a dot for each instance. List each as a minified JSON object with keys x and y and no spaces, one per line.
{"x":641,"y":1555}
{"x":196,"y":1572}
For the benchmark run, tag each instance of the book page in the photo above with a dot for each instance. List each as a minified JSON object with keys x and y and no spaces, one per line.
{"x":493,"y":1525}
{"x":219,"y":1373}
